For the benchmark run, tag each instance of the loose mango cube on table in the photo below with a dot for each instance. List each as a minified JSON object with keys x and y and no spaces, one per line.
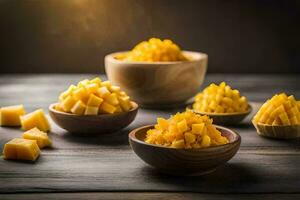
{"x":93,"y":97}
{"x":281,"y":109}
{"x":21,"y":149}
{"x":10,"y":115}
{"x":220,"y":99}
{"x":41,"y":137}
{"x":35,"y":119}
{"x":185,"y":130}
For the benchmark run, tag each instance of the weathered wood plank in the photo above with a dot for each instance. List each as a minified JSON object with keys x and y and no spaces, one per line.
{"x":118,"y":169}
{"x":146,"y":195}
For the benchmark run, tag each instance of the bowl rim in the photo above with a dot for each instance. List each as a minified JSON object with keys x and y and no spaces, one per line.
{"x":268,"y":125}
{"x":135,"y":107}
{"x":224,"y":114}
{"x":198,"y":56}
{"x":132,"y":137}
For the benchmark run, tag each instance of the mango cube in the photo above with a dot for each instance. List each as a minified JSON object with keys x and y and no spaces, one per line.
{"x":78,"y":108}
{"x":10,"y":115}
{"x":68,"y":103}
{"x":21,"y":149}
{"x":35,"y":119}
{"x":40,"y":137}
{"x":185,"y":130}
{"x":112,"y":99}
{"x":91,"y":110}
{"x":94,"y":101}
{"x":107,"y":108}
{"x":220,"y":99}
{"x":103,"y":92}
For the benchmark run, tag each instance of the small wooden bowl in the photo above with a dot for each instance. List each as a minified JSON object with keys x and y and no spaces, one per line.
{"x":279,"y":132}
{"x":227,"y":118}
{"x":184,"y":161}
{"x":93,"y":124}
{"x":156,"y":84}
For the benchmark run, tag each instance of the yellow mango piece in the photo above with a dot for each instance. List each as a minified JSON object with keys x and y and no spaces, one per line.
{"x":178,"y":144}
{"x":189,"y":137}
{"x":91,"y":88}
{"x":94,"y":101}
{"x":10,"y":115}
{"x":96,"y":80}
{"x":68,"y":103}
{"x":197,"y":129}
{"x":205,"y":141}
{"x":182,"y":126}
{"x":112,"y":99}
{"x":78,"y":108}
{"x":67,"y":93}
{"x":125,"y":103}
{"x":107,"y":108}
{"x":91,"y":110}
{"x":35,"y":119}
{"x":162,"y":123}
{"x":40,"y":137}
{"x":80,"y":94}
{"x":21,"y":149}
{"x":103,"y":92}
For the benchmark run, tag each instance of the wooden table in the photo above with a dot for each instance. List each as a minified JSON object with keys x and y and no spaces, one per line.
{"x":106,"y":168}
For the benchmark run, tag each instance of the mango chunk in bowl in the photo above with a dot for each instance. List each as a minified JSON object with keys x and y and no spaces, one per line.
{"x":93,"y":106}
{"x":157,"y":73}
{"x":226,"y":106}
{"x":185,"y":144}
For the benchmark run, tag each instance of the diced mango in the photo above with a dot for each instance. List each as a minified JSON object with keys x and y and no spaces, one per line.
{"x":21,"y":149}
{"x":68,"y":104}
{"x":41,"y":137}
{"x":185,"y":130}
{"x":78,"y":108}
{"x":35,"y":119}
{"x":220,"y":99}
{"x":107,"y":108}
{"x":10,"y":115}
{"x":91,"y":110}
{"x":94,"y":101}
{"x":93,"y":93}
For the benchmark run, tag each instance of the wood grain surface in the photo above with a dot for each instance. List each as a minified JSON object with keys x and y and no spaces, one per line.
{"x":265,"y":168}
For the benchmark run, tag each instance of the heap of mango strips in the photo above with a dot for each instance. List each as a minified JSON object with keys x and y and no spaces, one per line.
{"x":33,"y":139}
{"x":279,"y":110}
{"x":220,"y":99}
{"x":185,"y":130}
{"x":154,"y":50}
{"x":93,"y":97}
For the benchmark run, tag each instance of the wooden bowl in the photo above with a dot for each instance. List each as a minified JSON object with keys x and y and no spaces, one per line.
{"x":154,"y":84}
{"x":93,"y":124}
{"x":226,"y":118}
{"x":279,"y":131}
{"x":184,"y":161}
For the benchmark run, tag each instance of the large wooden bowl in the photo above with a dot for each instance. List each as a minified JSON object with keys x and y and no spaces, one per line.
{"x":93,"y":124}
{"x":279,"y":131}
{"x":155,"y":84}
{"x":227,"y":118}
{"x":184,"y":161}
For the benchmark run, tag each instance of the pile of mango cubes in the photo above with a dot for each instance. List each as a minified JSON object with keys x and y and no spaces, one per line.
{"x":33,"y":139}
{"x":93,"y":97}
{"x":185,"y":130}
{"x":220,"y":99}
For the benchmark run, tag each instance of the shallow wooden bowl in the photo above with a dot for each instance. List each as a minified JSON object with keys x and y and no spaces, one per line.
{"x":184,"y":161}
{"x":155,"y":84}
{"x":227,"y":118}
{"x":279,"y":132}
{"x":93,"y":124}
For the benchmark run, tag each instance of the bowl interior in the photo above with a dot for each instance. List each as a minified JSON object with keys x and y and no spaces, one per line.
{"x":139,"y":135}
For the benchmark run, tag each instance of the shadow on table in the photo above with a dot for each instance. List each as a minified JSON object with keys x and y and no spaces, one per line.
{"x":225,"y":179}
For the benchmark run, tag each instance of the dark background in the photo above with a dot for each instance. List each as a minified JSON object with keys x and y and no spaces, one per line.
{"x":73,"y":36}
